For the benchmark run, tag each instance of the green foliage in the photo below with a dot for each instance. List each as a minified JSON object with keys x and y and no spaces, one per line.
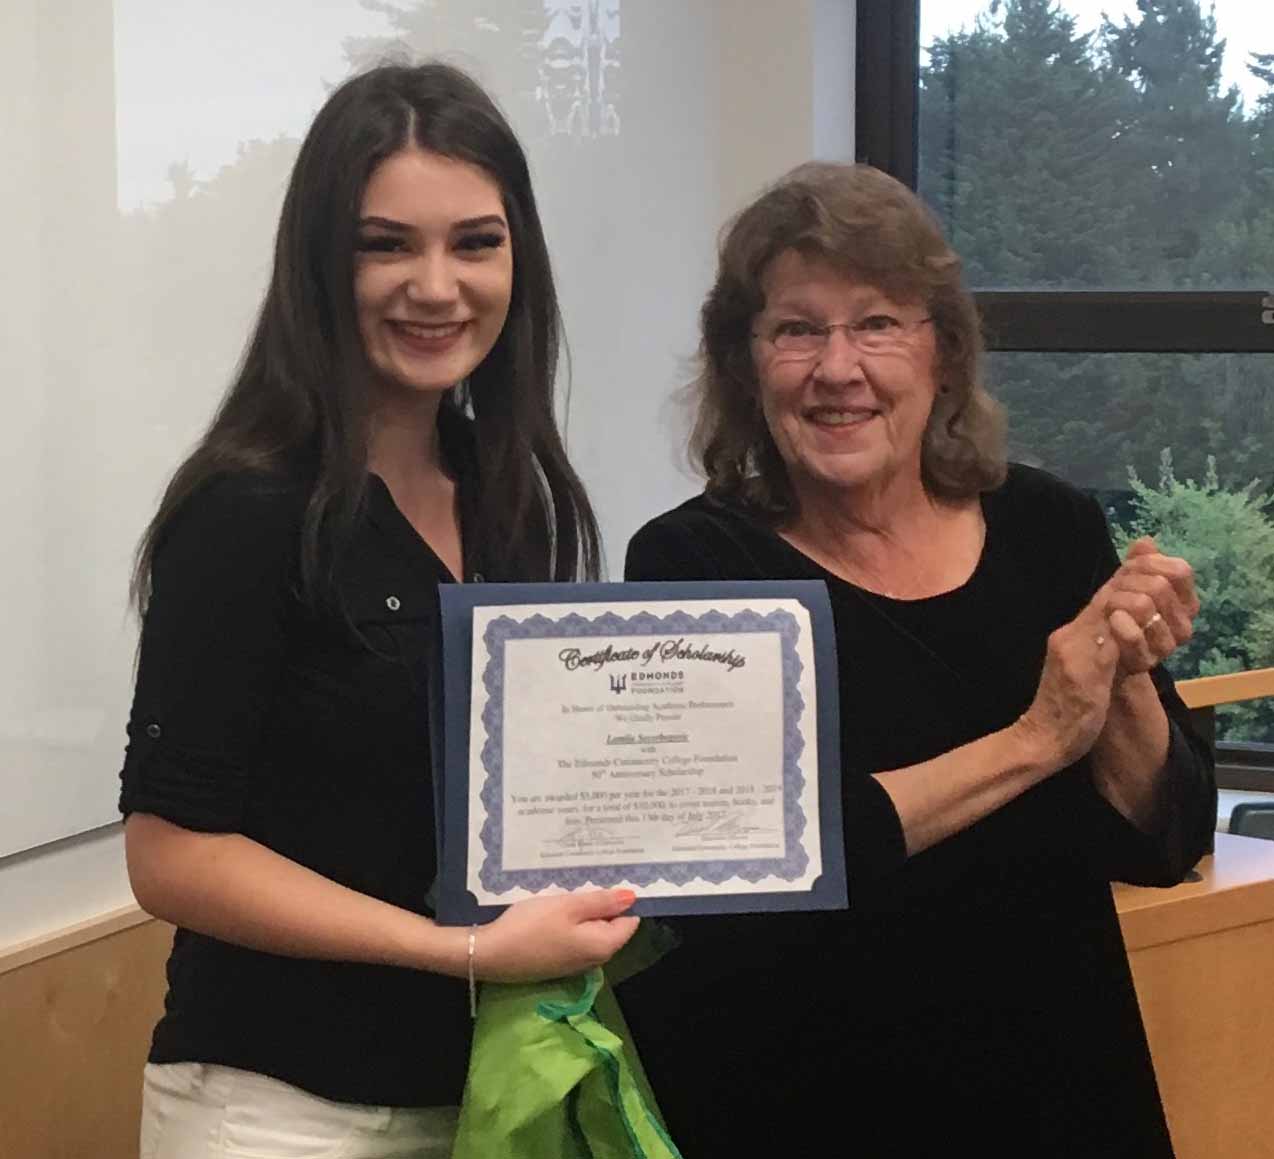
{"x":1228,"y":537}
{"x":1088,"y":417}
{"x":1184,"y":133}
{"x":1116,"y":160}
{"x":1109,"y":160}
{"x":1017,"y":191}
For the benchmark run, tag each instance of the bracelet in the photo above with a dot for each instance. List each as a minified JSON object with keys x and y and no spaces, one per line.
{"x":473,"y":986}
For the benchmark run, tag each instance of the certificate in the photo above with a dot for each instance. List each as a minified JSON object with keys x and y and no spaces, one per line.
{"x":677,"y":739}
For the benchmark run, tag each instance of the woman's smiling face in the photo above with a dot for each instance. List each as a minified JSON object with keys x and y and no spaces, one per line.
{"x":839,"y":417}
{"x":434,"y":271}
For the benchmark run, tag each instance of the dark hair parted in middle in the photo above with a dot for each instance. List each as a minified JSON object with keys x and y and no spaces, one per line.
{"x":300,"y":403}
{"x":870,"y":227}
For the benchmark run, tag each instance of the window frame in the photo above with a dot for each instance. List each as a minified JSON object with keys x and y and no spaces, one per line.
{"x":1109,"y":320}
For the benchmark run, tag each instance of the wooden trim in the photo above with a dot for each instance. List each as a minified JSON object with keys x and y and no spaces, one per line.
{"x":1206,"y":690}
{"x":58,"y":942}
{"x":1233,"y":887}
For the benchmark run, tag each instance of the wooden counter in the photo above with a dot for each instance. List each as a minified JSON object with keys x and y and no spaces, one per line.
{"x":1202,"y":956}
{"x":76,"y":1011}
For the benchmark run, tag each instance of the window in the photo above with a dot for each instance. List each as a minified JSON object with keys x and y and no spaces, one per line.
{"x":1106,"y":171}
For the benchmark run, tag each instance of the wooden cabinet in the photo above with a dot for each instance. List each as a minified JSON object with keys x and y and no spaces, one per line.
{"x":76,"y":1012}
{"x":1202,"y":956}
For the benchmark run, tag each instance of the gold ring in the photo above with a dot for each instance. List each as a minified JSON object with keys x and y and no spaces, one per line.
{"x":1100,"y":641}
{"x":1150,"y":623}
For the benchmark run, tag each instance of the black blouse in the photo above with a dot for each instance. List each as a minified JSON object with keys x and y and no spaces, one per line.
{"x":253,"y":715}
{"x":976,"y":995}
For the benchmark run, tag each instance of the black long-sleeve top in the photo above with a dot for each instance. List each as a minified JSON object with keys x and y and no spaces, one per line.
{"x":254,"y":715}
{"x":976,"y":995}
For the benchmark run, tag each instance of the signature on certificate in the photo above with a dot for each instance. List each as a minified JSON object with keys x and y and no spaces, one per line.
{"x":585,"y":832}
{"x":722,"y":823}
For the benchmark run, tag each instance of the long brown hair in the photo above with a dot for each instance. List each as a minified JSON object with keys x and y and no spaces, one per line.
{"x":299,"y":404}
{"x":875,"y":229}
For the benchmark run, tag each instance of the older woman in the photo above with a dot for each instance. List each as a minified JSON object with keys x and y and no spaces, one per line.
{"x":1009,"y":743}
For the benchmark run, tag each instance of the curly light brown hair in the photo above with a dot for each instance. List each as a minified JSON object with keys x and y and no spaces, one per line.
{"x":871,"y":227}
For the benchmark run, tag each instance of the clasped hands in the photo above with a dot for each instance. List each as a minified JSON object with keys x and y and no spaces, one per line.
{"x":1148,"y":605}
{"x":1135,"y":620}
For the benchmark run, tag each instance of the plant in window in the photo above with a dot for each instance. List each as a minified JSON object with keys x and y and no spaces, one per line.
{"x":1227,"y":534}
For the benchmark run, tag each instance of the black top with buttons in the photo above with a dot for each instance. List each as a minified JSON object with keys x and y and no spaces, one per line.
{"x":254,"y":715}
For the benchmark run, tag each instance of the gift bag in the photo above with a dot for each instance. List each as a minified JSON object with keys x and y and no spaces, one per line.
{"x":554,"y":1074}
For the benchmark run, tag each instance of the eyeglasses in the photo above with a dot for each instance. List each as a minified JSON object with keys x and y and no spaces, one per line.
{"x":874,"y":334}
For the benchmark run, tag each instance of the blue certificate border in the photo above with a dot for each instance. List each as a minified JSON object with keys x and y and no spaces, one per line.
{"x":456,"y":905}
{"x":501,"y":630}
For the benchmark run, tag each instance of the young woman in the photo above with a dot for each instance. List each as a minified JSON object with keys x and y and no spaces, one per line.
{"x":391,"y":428}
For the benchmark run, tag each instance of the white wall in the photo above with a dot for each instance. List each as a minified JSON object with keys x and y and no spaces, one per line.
{"x":62,"y":883}
{"x":135,"y":284}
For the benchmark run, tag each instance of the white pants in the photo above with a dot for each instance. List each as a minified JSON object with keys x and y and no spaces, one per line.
{"x":194,"y":1110}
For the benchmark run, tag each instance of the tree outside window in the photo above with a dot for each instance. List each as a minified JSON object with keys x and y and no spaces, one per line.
{"x":1118,"y":159}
